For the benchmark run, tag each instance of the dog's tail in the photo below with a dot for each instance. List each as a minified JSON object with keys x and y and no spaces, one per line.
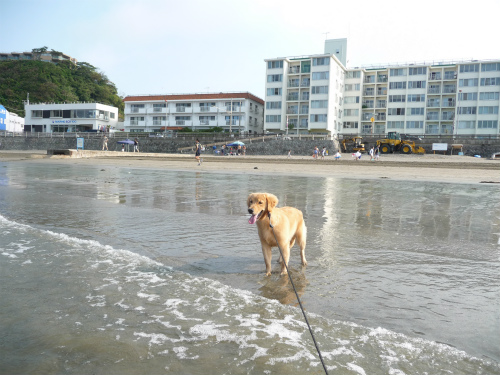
{"x":302,"y":235}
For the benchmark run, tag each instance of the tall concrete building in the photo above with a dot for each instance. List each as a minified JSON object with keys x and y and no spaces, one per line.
{"x":319,"y":94}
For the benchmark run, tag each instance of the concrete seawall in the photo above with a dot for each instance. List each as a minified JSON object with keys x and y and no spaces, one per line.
{"x":257,"y":146}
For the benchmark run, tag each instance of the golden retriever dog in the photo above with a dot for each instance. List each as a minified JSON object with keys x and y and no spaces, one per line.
{"x":288,"y":224}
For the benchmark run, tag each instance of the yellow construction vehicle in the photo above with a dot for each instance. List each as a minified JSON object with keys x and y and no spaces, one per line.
{"x":353,"y":144}
{"x":393,"y":143}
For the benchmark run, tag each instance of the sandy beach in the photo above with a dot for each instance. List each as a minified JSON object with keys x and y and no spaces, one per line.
{"x":430,"y":167}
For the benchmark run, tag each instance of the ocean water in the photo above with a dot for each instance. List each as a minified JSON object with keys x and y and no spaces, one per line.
{"x":107,"y":270}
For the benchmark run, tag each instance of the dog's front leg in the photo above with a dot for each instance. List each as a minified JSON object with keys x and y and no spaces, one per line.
{"x":266,"y":251}
{"x":286,"y":257}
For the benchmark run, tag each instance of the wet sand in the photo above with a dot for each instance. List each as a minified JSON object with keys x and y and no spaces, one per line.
{"x":430,"y":167}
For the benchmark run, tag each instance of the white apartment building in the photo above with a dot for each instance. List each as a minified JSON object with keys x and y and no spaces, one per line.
{"x":304,"y":94}
{"x":439,"y":98}
{"x":70,"y":117}
{"x":233,"y":112}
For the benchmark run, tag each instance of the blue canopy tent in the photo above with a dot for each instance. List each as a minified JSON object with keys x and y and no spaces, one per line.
{"x":235,"y":144}
{"x":126,"y":142}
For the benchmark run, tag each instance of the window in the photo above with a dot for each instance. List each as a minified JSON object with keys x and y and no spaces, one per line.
{"x":320,"y":75}
{"x":56,"y":113}
{"x":351,"y":99}
{"x":417,"y":71}
{"x":134,"y":108}
{"x":490,"y":110}
{"x":319,"y":90}
{"x":466,"y":124}
{"x":416,"y":85}
{"x":319,"y":104}
{"x":205,"y":107}
{"x":205,"y":120}
{"x":396,"y":112}
{"x":351,"y":112}
{"x":468,"y":82}
{"x":490,"y":81}
{"x":467,"y":110}
{"x":321,"y":61}
{"x":467,"y":96}
{"x":273,"y":105}
{"x":273,"y":118}
{"x":318,"y":118}
{"x":469,"y":68}
{"x":352,"y":87}
{"x":273,"y":92}
{"x":397,"y":72}
{"x":350,"y":125}
{"x":416,"y":111}
{"x":487,"y":124}
{"x":275,"y":78}
{"x":490,"y":67}
{"x":275,"y":64}
{"x":181,"y":118}
{"x":416,"y":98}
{"x":351,"y":74}
{"x":486,"y":96}
{"x":396,"y":98}
{"x":36,"y":114}
{"x":397,"y":85}
{"x":414,"y":124}
{"x":112,"y":114}
{"x":395,"y":124}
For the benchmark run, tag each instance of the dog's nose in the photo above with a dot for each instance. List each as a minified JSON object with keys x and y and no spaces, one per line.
{"x":250,"y":211}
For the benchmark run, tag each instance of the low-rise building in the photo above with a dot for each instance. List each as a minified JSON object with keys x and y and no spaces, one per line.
{"x":47,"y":56}
{"x":70,"y":117}
{"x":10,"y":122}
{"x":233,"y":112}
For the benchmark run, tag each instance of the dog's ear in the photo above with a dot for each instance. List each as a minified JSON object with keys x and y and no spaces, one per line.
{"x":272,"y":201}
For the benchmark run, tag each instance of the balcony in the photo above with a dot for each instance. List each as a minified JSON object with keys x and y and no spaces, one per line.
{"x":433,"y":103}
{"x":432,"y":116}
{"x":369,"y":79}
{"x":305,"y":83}
{"x":179,"y":109}
{"x":446,"y":116}
{"x":293,"y":97}
{"x":292,"y":111}
{"x":382,"y":91}
{"x":435,"y":77}
{"x":183,"y":122}
{"x":304,"y":111}
{"x":304,"y":96}
{"x":380,"y":117}
{"x":293,"y":83}
{"x":369,"y":92}
{"x":449,"y":103}
{"x":434,"y":90}
{"x":449,"y":89}
{"x":381,"y":104}
{"x":381,"y":78}
{"x":294,"y":70}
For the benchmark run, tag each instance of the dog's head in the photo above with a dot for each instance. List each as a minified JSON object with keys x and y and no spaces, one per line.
{"x":259,"y":204}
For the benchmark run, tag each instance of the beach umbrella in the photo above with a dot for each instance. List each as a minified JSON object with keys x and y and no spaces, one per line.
{"x":236,"y":143}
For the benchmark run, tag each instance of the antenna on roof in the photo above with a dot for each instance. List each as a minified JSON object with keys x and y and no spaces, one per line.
{"x":326,"y":35}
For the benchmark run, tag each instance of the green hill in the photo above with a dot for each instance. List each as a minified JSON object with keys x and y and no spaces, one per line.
{"x":47,"y":82}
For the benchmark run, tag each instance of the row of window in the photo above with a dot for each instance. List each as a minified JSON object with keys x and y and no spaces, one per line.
{"x":482,"y":110}
{"x":314,"y":104}
{"x":419,"y":124}
{"x":313,"y":118}
{"x":73,"y":113}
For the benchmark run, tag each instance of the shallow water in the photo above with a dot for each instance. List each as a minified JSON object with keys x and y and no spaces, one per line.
{"x":131,"y":271}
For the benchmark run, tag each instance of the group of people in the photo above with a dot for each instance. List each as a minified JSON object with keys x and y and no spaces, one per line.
{"x":374,"y":154}
{"x":105,"y":144}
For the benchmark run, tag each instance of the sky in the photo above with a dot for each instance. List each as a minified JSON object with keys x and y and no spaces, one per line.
{"x":197,"y":46}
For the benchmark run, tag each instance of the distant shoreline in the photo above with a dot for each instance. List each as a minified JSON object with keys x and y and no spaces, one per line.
{"x":429,"y":167}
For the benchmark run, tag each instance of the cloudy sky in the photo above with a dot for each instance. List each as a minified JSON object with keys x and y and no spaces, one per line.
{"x":189,"y":46}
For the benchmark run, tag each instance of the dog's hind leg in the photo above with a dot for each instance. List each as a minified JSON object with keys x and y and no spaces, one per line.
{"x":301,"y":237}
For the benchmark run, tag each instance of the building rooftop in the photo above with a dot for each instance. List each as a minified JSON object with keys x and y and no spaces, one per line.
{"x":196,"y":96}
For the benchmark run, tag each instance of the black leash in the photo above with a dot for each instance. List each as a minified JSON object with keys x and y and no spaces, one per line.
{"x":298,"y":298}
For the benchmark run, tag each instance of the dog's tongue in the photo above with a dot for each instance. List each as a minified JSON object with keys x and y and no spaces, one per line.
{"x":252,"y":219}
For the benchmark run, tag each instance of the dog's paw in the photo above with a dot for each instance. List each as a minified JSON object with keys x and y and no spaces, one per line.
{"x":268,"y":273}
{"x":304,"y":263}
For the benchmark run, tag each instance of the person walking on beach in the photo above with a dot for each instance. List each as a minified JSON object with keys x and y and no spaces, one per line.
{"x":338,"y":155}
{"x":289,"y":156}
{"x":372,"y":154}
{"x":244,"y":150}
{"x":198,"y":151}
{"x":377,"y":153}
{"x":315,"y":153}
{"x":136,"y":145}
{"x":105,"y":143}
{"x":323,"y":153}
{"x":123,"y":148}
